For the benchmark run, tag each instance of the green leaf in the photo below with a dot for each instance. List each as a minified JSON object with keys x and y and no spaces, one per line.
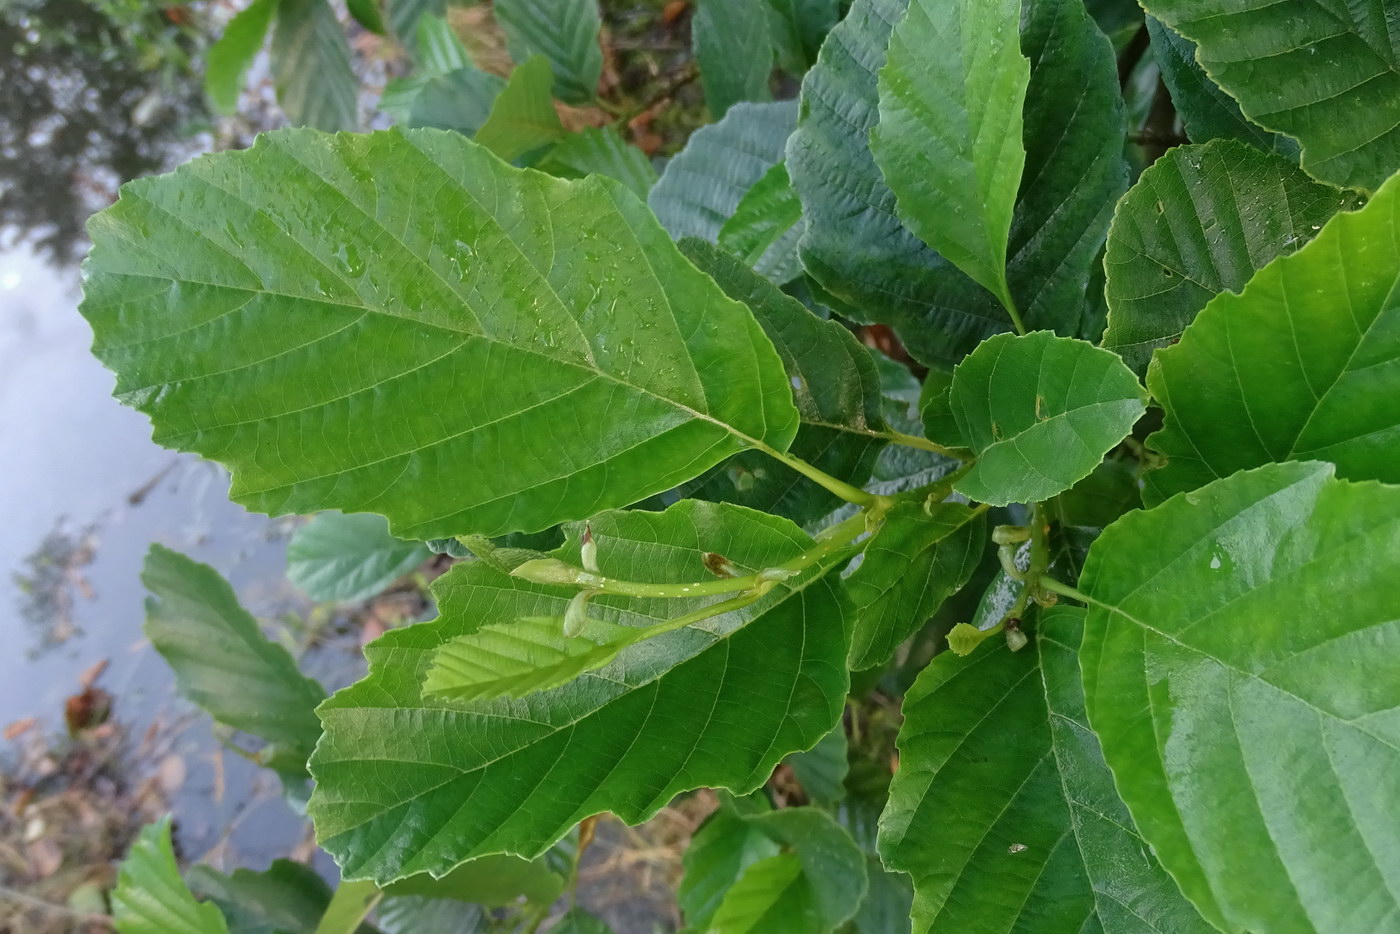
{"x":822,"y":769}
{"x":798,"y":28}
{"x":350,"y":904}
{"x":601,"y":151}
{"x":834,"y":384}
{"x":1003,"y":810}
{"x":151,"y":898}
{"x":405,"y":15}
{"x":1040,"y":412}
{"x":914,"y":562}
{"x":460,"y":100}
{"x":439,"y":51}
{"x":414,"y":915}
{"x":948,"y":139}
{"x":766,"y":227}
{"x":704,"y":184}
{"x":1300,"y":365}
{"x":565,"y":32}
{"x":340,"y":287}
{"x":501,"y":879}
{"x":523,"y":118}
{"x":1100,"y":498}
{"x":717,"y":704}
{"x":347,"y":559}
{"x":718,"y":854}
{"x":224,"y":664}
{"x":578,"y":921}
{"x":228,"y":59}
{"x":1207,"y":111}
{"x":311,"y":67}
{"x":887,"y":905}
{"x":1200,"y":221}
{"x":859,"y":251}
{"x":812,"y":887}
{"x":1325,"y":74}
{"x":1240,"y":670}
{"x":286,"y":898}
{"x":734,"y":50}
{"x":367,"y":14}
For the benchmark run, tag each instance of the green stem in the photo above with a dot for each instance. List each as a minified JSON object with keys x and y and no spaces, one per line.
{"x":1065,"y":590}
{"x":851,"y":494}
{"x":348,"y":907}
{"x":924,"y":444}
{"x":1010,"y":305}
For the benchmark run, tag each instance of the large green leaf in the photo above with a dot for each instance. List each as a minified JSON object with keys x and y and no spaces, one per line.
{"x":948,"y":139}
{"x":703,"y":185}
{"x":1207,"y":111}
{"x":1003,"y":810}
{"x":601,"y":151}
{"x":311,"y":67}
{"x":834,"y":384}
{"x":223,"y":662}
{"x":1241,"y":671}
{"x":766,"y":226}
{"x":523,"y":118}
{"x":1327,"y":74}
{"x":1040,"y":412}
{"x":914,"y":562}
{"x":1200,"y":221}
{"x":718,"y":703}
{"x":227,"y":60}
{"x":286,"y":898}
{"x":305,"y":323}
{"x":855,"y":245}
{"x":1303,"y":364}
{"x":734,"y":51}
{"x":349,"y":558}
{"x":565,"y":32}
{"x":151,"y":898}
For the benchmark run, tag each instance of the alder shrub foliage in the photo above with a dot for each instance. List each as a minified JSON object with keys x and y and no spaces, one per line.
{"x":1141,"y":505}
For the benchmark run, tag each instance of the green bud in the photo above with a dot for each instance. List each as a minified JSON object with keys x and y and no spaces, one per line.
{"x":550,"y":571}
{"x":964,"y":637}
{"x":576,"y":615}
{"x":1010,"y":534}
{"x":589,"y":550}
{"x":776,"y":574}
{"x":1016,"y":640}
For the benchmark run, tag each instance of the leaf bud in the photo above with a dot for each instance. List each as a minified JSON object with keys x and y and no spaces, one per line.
{"x":576,"y":614}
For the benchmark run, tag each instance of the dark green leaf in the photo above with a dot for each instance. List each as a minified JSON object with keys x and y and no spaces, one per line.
{"x":286,"y":898}
{"x":1241,"y":671}
{"x":1040,"y":412}
{"x":578,"y":921}
{"x":822,"y":769}
{"x":734,"y":51}
{"x":798,"y":28}
{"x":523,"y":118}
{"x":424,"y":269}
{"x":223,"y":662}
{"x":151,"y":898}
{"x":349,"y":558}
{"x":500,"y":879}
{"x":311,"y":67}
{"x":565,"y":32}
{"x":703,"y":185}
{"x":888,"y":903}
{"x":601,"y":151}
{"x":1200,"y":221}
{"x":1327,"y":74}
{"x":718,"y":703}
{"x":460,"y":100}
{"x":724,"y":847}
{"x":1100,"y":498}
{"x":228,"y":59}
{"x":367,"y":14}
{"x":1303,"y":364}
{"x":913,"y":563}
{"x":766,"y":227}
{"x":1208,"y":112}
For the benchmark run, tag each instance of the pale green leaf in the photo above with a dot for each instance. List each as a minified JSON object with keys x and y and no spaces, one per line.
{"x":601,"y":151}
{"x":1207,"y":111}
{"x":834,"y":384}
{"x":349,"y":558}
{"x":405,"y":15}
{"x":224,"y":664}
{"x":311,"y":67}
{"x":1241,"y":671}
{"x":523,"y":118}
{"x":914,"y":562}
{"x":858,"y":250}
{"x":411,"y":914}
{"x":704,"y":184}
{"x":1040,"y":412}
{"x":948,"y":141}
{"x":151,"y":898}
{"x":1303,"y":364}
{"x":1200,"y":221}
{"x":887,"y":904}
{"x":439,"y":51}
{"x":286,"y":898}
{"x":459,"y":100}
{"x":822,"y":769}
{"x":718,"y":854}
{"x":350,"y":904}
{"x":772,"y":896}
{"x":718,"y":703}
{"x":766,"y":227}
{"x":227,"y":60}
{"x":332,"y":291}
{"x":1003,"y":810}
{"x":1327,"y":74}
{"x":734,"y":50}
{"x":565,"y":32}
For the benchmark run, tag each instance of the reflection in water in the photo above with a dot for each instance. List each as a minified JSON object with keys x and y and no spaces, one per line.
{"x":96,"y":92}
{"x":52,"y":576}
